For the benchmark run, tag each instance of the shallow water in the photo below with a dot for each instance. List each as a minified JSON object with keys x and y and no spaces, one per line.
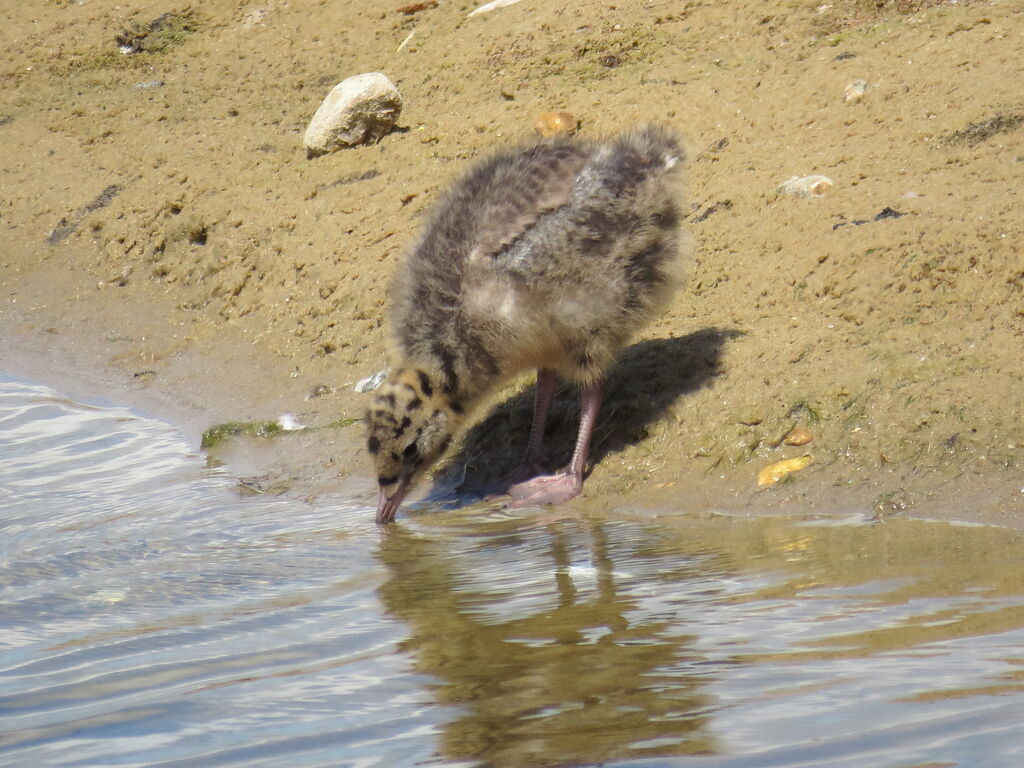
{"x":151,"y":613}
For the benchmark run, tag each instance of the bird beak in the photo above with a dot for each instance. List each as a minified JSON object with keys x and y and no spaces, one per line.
{"x":387,"y":506}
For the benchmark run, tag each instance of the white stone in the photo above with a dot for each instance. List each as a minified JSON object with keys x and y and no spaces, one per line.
{"x":855,"y":91}
{"x":806,"y":186}
{"x":359,"y":110}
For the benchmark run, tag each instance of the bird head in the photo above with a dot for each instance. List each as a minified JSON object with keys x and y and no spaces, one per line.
{"x":410,"y":425}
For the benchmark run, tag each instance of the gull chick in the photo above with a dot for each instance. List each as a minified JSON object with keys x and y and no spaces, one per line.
{"x":550,"y":257}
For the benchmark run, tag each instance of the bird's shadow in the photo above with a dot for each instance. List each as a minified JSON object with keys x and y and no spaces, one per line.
{"x":648,"y":377}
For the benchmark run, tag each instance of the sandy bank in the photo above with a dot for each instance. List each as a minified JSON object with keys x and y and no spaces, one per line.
{"x":164,"y":239}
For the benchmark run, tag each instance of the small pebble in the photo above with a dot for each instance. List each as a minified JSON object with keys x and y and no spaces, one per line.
{"x":549,"y":124}
{"x":748,"y":417}
{"x":318,"y":391}
{"x":855,"y":91}
{"x":798,"y":436}
{"x":806,"y":186}
{"x":771,"y":474}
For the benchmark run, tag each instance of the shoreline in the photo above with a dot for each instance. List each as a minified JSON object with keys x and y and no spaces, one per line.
{"x":191,"y":393}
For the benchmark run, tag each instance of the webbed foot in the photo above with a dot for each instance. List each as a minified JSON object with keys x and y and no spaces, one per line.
{"x":546,"y":489}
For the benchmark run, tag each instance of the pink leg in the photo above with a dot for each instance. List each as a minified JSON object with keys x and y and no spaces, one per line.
{"x":531,"y":466}
{"x":554,"y":489}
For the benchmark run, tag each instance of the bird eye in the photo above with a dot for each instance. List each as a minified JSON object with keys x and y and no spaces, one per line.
{"x":411,"y":451}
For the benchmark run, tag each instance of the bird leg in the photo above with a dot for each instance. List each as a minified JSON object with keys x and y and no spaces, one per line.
{"x":532,"y":461}
{"x":555,"y":489}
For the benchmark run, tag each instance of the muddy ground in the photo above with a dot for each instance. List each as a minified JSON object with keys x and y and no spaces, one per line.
{"x":164,"y":240}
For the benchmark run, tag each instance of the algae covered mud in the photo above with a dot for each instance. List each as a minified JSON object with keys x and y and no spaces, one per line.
{"x":154,"y":612}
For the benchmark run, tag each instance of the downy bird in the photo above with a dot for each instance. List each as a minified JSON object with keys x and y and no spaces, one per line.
{"x":549,"y":256}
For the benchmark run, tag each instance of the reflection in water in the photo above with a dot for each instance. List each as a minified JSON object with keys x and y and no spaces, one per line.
{"x":550,"y":660}
{"x":587,"y":641}
{"x":150,"y":615}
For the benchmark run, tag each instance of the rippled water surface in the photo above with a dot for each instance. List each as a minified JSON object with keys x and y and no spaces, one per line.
{"x":153,"y":614}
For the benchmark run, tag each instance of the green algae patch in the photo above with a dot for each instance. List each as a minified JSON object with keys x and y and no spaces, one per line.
{"x":340,"y":423}
{"x":136,"y":47}
{"x":162,"y":33}
{"x":982,"y":131}
{"x":614,"y":48}
{"x":218,"y":433}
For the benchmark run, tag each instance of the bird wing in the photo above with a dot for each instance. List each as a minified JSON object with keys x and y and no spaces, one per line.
{"x":521,"y":188}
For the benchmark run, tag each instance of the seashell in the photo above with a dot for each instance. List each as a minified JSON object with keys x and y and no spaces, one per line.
{"x":550,"y":124}
{"x":289,"y":422}
{"x":798,"y":436}
{"x":855,"y":91}
{"x":371,"y":383}
{"x":806,"y":186}
{"x":771,"y":474}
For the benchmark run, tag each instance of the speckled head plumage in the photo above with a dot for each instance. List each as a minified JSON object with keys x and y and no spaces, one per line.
{"x":410,"y":425}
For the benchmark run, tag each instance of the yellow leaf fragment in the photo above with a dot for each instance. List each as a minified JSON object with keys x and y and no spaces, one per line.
{"x":771,"y":474}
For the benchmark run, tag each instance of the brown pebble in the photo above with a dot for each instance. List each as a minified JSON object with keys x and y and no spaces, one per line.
{"x":798,"y":436}
{"x":749,"y":417}
{"x":318,"y":391}
{"x":411,"y":8}
{"x":549,"y":124}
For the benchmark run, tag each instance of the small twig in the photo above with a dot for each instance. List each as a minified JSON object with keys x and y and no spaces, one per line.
{"x":406,"y":41}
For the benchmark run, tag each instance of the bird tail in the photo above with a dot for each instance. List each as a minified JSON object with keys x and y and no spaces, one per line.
{"x":637,"y":161}
{"x":645,"y":154}
{"x":653,"y":147}
{"x":641,"y":175}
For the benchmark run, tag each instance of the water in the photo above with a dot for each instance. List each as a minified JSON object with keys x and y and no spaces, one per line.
{"x":153,"y":614}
